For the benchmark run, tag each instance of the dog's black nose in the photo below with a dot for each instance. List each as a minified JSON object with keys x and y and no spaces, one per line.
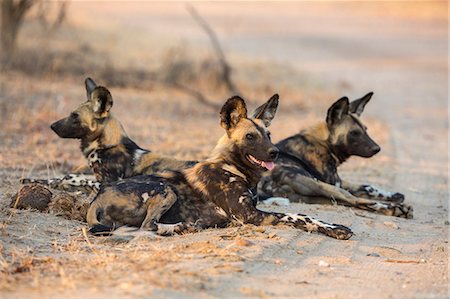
{"x":273,"y":153}
{"x":375,"y":149}
{"x":53,"y":126}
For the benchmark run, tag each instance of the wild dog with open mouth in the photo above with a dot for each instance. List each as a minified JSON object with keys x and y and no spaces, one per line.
{"x":307,"y":166}
{"x":213,"y":193}
{"x":111,"y":154}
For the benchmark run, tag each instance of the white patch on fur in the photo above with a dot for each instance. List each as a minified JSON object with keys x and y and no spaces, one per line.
{"x":145,"y":197}
{"x":138,"y":154}
{"x":232,"y":179}
{"x":338,"y":184}
{"x":221,"y":212}
{"x":242,"y":199}
{"x":378,"y":206}
{"x":93,"y":158}
{"x":72,"y":180}
{"x":276,"y":201}
{"x":376,"y":192}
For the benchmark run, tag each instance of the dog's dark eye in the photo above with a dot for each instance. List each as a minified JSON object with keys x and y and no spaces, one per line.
{"x":250,"y":136}
{"x":75,"y":117}
{"x":355,"y":133}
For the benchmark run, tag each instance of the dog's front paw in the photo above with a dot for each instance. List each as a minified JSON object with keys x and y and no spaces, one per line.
{"x":404,"y":211}
{"x":377,"y":193}
{"x":340,"y":232}
{"x":399,"y":210}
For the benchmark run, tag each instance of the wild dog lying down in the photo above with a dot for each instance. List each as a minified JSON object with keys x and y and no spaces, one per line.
{"x":111,"y":154}
{"x":213,"y":193}
{"x":307,"y":165}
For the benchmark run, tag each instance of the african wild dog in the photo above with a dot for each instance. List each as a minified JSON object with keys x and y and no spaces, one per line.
{"x":111,"y":154}
{"x":213,"y":193}
{"x":307,"y":166}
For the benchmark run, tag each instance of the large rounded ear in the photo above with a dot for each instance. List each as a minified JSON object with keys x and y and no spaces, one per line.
{"x":232,"y":112}
{"x":266,"y":112}
{"x":357,"y":106}
{"x":337,"y":111}
{"x":90,"y":86}
{"x":102,"y":101}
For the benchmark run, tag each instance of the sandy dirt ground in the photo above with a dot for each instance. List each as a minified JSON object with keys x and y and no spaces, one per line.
{"x":311,"y":53}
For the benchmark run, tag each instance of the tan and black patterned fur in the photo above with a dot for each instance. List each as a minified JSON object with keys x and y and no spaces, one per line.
{"x":306,"y":170}
{"x":213,"y":193}
{"x":111,"y":154}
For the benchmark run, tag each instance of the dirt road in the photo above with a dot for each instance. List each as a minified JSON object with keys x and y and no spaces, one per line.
{"x":398,"y":51}
{"x":404,"y":61}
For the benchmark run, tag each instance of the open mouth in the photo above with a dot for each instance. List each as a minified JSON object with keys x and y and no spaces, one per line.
{"x":263,"y":164}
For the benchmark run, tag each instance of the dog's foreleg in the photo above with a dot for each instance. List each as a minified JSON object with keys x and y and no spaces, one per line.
{"x":311,"y":224}
{"x":243,"y":211}
{"x":372,"y":192}
{"x":314,"y":188}
{"x":300,"y":221}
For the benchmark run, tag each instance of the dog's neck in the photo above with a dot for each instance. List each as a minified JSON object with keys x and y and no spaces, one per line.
{"x":109,"y":137}
{"x":227,"y":154}
{"x":321,"y":134}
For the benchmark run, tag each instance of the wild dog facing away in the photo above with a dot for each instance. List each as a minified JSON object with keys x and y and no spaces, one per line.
{"x":306,"y":169}
{"x":213,"y":193}
{"x":111,"y":154}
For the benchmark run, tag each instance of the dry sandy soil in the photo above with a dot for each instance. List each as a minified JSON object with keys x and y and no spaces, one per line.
{"x":311,"y":53}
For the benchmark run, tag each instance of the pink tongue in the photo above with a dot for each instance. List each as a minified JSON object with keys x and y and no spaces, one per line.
{"x":268,"y":165}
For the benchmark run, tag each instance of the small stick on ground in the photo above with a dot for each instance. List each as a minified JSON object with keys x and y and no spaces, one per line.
{"x":403,"y":261}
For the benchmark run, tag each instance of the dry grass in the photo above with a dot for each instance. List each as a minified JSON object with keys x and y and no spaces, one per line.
{"x":66,"y":265}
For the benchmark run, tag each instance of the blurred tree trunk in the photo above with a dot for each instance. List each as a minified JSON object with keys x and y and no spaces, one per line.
{"x":12,"y":14}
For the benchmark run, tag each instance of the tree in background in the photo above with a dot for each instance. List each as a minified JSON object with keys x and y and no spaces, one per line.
{"x":12,"y":15}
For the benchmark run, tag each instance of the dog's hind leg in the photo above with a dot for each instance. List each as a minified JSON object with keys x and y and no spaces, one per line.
{"x":315,"y":189}
{"x":157,"y":206}
{"x":372,"y":192}
{"x":70,"y":182}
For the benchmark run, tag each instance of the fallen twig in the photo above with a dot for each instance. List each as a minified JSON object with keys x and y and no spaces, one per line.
{"x":403,"y":261}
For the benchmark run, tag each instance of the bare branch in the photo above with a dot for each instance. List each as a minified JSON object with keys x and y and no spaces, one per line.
{"x":22,"y":6}
{"x":194,"y":93}
{"x":226,"y":69}
{"x":47,"y":25}
{"x":12,"y":15}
